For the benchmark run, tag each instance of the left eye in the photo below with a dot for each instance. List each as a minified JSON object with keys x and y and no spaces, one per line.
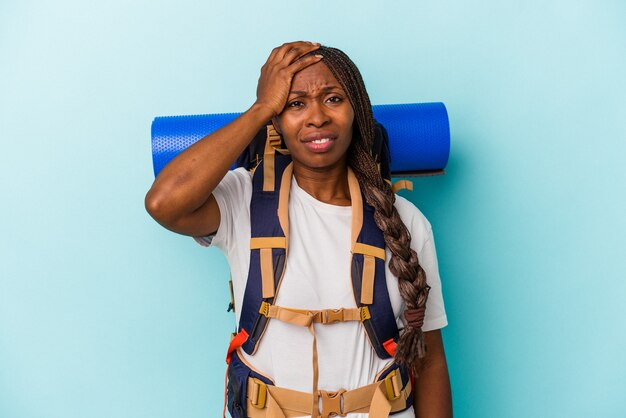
{"x":334,"y":99}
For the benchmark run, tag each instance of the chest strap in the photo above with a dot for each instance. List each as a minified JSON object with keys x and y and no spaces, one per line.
{"x":306,"y":318}
{"x":378,"y":399}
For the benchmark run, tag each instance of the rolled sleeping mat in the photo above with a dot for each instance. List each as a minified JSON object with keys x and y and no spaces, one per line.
{"x":419,"y":136}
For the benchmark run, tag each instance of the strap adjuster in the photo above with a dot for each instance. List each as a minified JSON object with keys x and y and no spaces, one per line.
{"x":332,"y":403}
{"x":264,"y":309}
{"x":392,"y":385}
{"x":332,"y":315}
{"x":365,"y":313}
{"x":259,"y":393}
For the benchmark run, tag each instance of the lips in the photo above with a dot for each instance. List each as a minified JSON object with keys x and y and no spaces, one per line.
{"x":319,"y":141}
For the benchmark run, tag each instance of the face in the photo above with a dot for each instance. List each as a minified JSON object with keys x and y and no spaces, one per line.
{"x":317,"y":120}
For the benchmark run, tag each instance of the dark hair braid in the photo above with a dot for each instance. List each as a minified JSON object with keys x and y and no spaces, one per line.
{"x":378,"y":193}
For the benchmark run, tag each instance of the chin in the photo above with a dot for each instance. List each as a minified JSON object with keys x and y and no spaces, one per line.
{"x":320,"y":162}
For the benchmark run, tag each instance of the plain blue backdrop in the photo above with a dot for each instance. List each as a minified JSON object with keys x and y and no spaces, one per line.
{"x":103,"y":313}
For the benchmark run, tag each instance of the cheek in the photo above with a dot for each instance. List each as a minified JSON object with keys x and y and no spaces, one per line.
{"x":289,"y":137}
{"x":287,"y":129}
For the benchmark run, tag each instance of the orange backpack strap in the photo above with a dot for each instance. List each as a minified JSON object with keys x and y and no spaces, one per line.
{"x":236,"y":342}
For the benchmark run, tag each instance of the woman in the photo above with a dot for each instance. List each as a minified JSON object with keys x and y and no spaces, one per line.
{"x":317,"y":102}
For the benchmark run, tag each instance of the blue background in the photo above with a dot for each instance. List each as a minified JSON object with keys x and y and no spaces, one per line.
{"x":105,"y":314}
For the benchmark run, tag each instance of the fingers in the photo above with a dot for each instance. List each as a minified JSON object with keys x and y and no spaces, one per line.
{"x":298,"y":50}
{"x":278,"y":71}
{"x":287,"y":53}
{"x":304,"y":62}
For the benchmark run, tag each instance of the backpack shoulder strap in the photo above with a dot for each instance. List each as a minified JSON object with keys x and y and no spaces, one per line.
{"x":269,"y":227}
{"x":369,"y":282}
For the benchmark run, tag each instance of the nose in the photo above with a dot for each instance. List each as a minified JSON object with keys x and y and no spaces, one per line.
{"x":316,"y":115}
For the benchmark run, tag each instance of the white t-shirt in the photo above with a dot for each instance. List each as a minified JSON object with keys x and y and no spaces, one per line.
{"x":317,"y":276}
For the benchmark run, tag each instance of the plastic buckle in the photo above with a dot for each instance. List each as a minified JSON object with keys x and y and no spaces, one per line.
{"x":365,"y":313}
{"x":259,"y":394}
{"x":333,"y":315}
{"x":264,"y":309}
{"x":392,"y":385}
{"x":332,"y":403}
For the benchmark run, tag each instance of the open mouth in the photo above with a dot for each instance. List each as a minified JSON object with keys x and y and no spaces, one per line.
{"x":319,"y":141}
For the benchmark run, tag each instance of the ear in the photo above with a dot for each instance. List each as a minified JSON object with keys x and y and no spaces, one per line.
{"x":276,"y":124}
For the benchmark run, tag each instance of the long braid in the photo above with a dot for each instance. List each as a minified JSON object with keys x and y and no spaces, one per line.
{"x":378,"y":193}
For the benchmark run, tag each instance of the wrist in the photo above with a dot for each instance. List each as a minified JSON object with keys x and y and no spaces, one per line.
{"x":263,"y":111}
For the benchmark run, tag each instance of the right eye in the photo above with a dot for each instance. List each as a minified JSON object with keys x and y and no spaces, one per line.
{"x":295,"y":104}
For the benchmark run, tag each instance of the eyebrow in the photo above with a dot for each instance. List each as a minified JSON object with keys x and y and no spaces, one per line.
{"x":324,"y":89}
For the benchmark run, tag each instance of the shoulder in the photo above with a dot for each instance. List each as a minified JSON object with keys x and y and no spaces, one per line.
{"x":239,"y":175}
{"x":235,"y":182}
{"x":417,"y":224}
{"x":234,"y":188}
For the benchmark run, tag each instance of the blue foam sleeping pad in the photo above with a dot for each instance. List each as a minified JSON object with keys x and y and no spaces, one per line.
{"x":419,"y":135}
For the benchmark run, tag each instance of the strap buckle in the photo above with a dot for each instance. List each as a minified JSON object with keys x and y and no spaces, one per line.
{"x":392,"y":385}
{"x":365,"y":313}
{"x":332,"y":403}
{"x":259,"y":393}
{"x":264,"y":309}
{"x":333,"y":315}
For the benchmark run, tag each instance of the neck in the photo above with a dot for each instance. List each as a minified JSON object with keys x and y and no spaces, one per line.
{"x":328,"y":185}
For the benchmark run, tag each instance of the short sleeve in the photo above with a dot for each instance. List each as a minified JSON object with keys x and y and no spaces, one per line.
{"x":435,"y":310}
{"x":230,"y":195}
{"x":423,"y":242}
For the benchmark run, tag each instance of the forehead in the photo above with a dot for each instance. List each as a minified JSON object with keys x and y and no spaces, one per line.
{"x":313,"y":77}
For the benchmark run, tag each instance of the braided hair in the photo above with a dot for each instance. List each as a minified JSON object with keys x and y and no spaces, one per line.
{"x":378,"y":194}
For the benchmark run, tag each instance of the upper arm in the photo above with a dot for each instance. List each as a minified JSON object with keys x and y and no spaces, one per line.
{"x":219,"y":211}
{"x":202,"y":222}
{"x":228,"y":201}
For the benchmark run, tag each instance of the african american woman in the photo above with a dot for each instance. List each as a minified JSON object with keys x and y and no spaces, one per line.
{"x":317,"y":358}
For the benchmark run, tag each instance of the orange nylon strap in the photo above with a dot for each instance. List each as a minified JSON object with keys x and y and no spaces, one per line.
{"x":269,"y":176}
{"x":235,"y":343}
{"x":315,"y":413}
{"x":360,"y":248}
{"x":357,"y":206}
{"x":306,"y":318}
{"x":380,"y":407}
{"x":367,"y":280}
{"x":401,"y":185}
{"x":303,"y":317}
{"x":290,"y":316}
{"x":283,"y":201}
{"x":265,"y":245}
{"x":273,"y":137}
{"x":368,"y":251}
{"x":268,"y":242}
{"x":267,"y":272}
{"x":369,"y":269}
{"x":378,"y":399}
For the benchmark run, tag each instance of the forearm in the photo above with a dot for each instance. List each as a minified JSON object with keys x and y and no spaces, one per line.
{"x":179,"y":198}
{"x":432,"y":393}
{"x":187,"y":181}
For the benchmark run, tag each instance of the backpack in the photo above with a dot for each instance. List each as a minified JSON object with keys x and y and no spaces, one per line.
{"x":270,"y":165}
